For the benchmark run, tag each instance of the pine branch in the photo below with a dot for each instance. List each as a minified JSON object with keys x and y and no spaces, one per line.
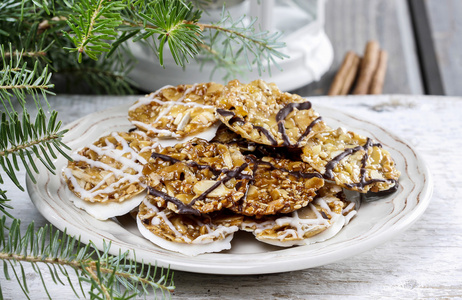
{"x":17,"y":80}
{"x":232,"y":39}
{"x":3,"y":203}
{"x":93,"y":25}
{"x":20,"y":139}
{"x":110,"y":277}
{"x":28,"y":53}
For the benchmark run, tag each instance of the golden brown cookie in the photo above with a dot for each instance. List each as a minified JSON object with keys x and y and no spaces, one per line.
{"x":261,"y":113}
{"x":321,"y":219}
{"x":188,"y":234}
{"x":197,"y":176}
{"x":109,"y":170}
{"x":176,"y":111}
{"x":355,"y":162}
{"x":278,"y":186}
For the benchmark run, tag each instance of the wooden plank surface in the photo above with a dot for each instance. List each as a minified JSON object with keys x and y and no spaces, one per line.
{"x":423,"y":262}
{"x":351,"y":23}
{"x":446,"y":26}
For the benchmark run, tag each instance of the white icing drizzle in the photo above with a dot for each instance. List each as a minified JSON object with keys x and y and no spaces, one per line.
{"x":298,"y":226}
{"x":148,"y":99}
{"x":168,"y":107}
{"x":213,"y":232}
{"x":349,"y":212}
{"x":149,"y":127}
{"x":349,"y":216}
{"x":121,"y":177}
{"x":219,"y":232}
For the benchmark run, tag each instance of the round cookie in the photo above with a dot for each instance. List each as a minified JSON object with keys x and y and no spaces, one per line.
{"x":109,"y":170}
{"x":187,"y":234}
{"x":261,"y":113}
{"x":278,"y":186}
{"x":355,"y":162}
{"x":176,"y":112}
{"x":320,"y":220}
{"x":197,"y":177}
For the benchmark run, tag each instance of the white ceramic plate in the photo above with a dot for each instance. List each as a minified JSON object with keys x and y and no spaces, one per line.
{"x":376,"y":221}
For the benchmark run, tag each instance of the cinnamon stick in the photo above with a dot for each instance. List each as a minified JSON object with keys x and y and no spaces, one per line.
{"x":342,"y":81}
{"x":350,"y":76}
{"x":368,"y":66}
{"x":378,"y":79}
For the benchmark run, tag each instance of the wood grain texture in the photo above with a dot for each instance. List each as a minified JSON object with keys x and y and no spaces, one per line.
{"x":446,"y":27}
{"x":351,"y":23}
{"x":423,"y":262}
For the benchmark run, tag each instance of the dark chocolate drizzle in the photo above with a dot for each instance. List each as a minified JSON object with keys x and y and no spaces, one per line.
{"x":236,"y":119}
{"x":308,"y":130}
{"x":266,"y":133}
{"x":225,"y":112}
{"x":164,"y":157}
{"x":280,"y":119}
{"x":189,"y":163}
{"x":329,"y":173}
{"x":229,"y":174}
{"x":182,"y":208}
{"x":187,"y":208}
{"x":282,"y":115}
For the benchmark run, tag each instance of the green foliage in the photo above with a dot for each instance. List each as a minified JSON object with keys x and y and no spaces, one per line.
{"x":99,"y":30}
{"x":4,"y":206}
{"x":21,"y":141}
{"x":93,"y":24}
{"x":20,"y":137}
{"x":173,"y":23}
{"x":109,"y":277}
{"x":43,"y":40}
{"x":232,"y":44}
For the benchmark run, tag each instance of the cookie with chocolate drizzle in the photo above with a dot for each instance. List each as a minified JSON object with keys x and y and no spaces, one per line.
{"x":261,"y":113}
{"x":197,"y":177}
{"x":187,"y":234}
{"x":278,"y":186}
{"x":176,"y":111}
{"x":353,"y":161}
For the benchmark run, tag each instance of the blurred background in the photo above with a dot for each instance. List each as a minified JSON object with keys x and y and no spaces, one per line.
{"x":423,"y":39}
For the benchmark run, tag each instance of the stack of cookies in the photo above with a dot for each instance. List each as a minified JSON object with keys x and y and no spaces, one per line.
{"x":206,"y":160}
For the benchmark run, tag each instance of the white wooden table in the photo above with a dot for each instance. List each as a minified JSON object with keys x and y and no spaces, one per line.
{"x":423,"y":262}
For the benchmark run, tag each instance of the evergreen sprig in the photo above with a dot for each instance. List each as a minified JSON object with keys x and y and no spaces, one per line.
{"x":109,"y":277}
{"x":174,"y":23}
{"x":232,"y":43}
{"x":93,"y":24}
{"x":18,"y":80}
{"x":21,"y":137}
{"x":4,"y":206}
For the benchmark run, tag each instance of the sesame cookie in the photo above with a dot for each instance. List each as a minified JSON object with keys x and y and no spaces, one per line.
{"x":261,"y":113}
{"x":278,"y":186}
{"x":176,"y":111}
{"x":187,"y":234}
{"x":197,"y":177}
{"x":318,"y":221}
{"x":353,"y":161}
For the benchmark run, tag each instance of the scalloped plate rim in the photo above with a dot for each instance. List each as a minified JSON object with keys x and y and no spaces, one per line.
{"x":286,"y":259}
